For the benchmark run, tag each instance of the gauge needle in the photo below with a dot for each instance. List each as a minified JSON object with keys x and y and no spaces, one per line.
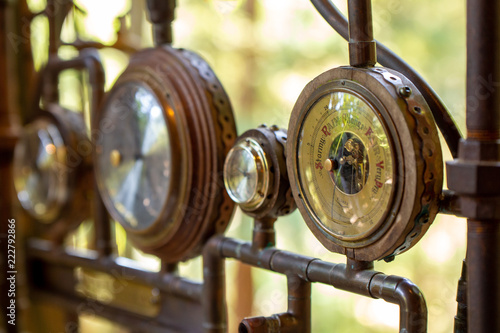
{"x":128,"y":190}
{"x":340,"y":168}
{"x":243,"y":172}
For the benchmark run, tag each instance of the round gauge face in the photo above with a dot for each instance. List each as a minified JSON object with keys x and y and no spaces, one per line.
{"x":40,"y":175}
{"x":245,"y":174}
{"x":345,"y":165}
{"x":134,"y":155}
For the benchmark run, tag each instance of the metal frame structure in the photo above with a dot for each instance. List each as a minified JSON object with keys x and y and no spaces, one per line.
{"x":183,"y":305}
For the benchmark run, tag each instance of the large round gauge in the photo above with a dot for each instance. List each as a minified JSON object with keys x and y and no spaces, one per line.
{"x":51,"y":168}
{"x":135,"y":161}
{"x":346,"y":164}
{"x":255,"y":173}
{"x":365,"y":162}
{"x":165,"y":129}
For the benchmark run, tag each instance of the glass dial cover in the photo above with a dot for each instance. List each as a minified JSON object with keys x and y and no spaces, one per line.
{"x":40,"y":175}
{"x":134,"y":155}
{"x":345,"y":165}
{"x":246,"y":174}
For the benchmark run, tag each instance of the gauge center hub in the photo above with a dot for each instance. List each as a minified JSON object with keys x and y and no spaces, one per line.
{"x":350,"y":167}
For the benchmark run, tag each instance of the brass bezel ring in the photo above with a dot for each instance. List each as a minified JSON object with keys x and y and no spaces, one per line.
{"x":277,"y":199}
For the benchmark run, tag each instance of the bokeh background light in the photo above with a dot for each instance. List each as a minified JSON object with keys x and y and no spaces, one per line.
{"x":264,"y":52}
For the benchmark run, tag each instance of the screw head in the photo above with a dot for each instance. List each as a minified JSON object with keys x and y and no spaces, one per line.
{"x":405,"y":91}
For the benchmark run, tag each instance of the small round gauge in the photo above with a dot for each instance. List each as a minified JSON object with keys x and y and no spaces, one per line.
{"x":134,"y":161}
{"x":39,"y":178}
{"x":164,"y":131}
{"x":52,"y":173}
{"x":365,"y":162}
{"x":246,"y":174}
{"x":255,"y":173}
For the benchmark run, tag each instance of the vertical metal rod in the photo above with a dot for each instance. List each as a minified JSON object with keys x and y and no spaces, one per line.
{"x":460,"y":325}
{"x":389,"y":59}
{"x":161,"y":15}
{"x":9,"y":128}
{"x":51,"y":17}
{"x":483,"y":123}
{"x":299,"y":302}
{"x":264,"y":234}
{"x":483,"y":70}
{"x":214,"y":288}
{"x":483,"y":276}
{"x":362,"y":46}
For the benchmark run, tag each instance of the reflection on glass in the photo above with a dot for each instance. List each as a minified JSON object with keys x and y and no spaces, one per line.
{"x":241,"y":175}
{"x":134,"y":155}
{"x":40,"y":176}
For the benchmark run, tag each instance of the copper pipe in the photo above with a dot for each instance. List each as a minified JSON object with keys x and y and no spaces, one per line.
{"x":483,"y":70}
{"x":9,"y":132}
{"x":483,"y":128}
{"x":362,"y":46}
{"x":214,"y":288}
{"x":168,"y":283}
{"x":50,"y":12}
{"x":87,"y":59}
{"x":449,"y":203}
{"x":161,"y":15}
{"x":281,"y":322}
{"x":296,"y":319}
{"x":483,"y":276}
{"x":264,"y":234}
{"x":389,"y":59}
{"x":299,"y":303}
{"x":460,"y":324}
{"x":356,"y":277}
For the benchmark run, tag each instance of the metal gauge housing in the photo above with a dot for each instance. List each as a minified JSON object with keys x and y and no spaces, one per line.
{"x":246,"y":174}
{"x":166,"y":125}
{"x":255,"y":173}
{"x":51,"y":167}
{"x":365,"y":162}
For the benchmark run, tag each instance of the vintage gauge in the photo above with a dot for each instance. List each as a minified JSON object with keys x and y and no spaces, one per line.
{"x":51,"y":167}
{"x":166,"y":127}
{"x":255,"y":173}
{"x":365,"y":162}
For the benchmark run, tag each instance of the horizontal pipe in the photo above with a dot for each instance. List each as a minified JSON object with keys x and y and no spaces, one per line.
{"x":365,"y":282}
{"x":131,"y":320}
{"x":282,"y":322}
{"x":168,"y":283}
{"x":449,"y":203}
